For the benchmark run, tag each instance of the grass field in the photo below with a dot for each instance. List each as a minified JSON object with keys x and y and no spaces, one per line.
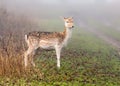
{"x":111,"y":31}
{"x":86,"y":61}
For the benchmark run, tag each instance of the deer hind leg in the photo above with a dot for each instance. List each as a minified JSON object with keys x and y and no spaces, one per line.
{"x":28,"y":52}
{"x":58,"y":51}
{"x":32,"y":62}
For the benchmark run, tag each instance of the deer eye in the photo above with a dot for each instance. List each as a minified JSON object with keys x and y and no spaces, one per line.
{"x":67,"y":21}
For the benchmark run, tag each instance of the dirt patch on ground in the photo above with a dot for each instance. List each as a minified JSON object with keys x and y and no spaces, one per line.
{"x":101,"y":35}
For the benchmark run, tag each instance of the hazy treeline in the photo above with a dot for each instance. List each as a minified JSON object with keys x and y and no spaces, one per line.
{"x":12,"y":45}
{"x":13,"y":28}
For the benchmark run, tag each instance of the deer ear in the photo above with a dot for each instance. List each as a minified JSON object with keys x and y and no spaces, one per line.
{"x":64,"y":18}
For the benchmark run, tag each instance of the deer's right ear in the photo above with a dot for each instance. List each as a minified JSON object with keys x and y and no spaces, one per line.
{"x":64,"y":18}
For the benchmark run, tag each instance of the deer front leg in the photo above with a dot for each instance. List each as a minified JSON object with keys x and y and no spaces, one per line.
{"x":28,"y":52}
{"x":58,"y":51}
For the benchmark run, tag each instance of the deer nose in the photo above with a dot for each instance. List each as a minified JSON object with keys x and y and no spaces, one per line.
{"x":72,"y":26}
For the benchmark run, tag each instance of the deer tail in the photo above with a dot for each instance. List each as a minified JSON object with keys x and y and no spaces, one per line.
{"x":26,"y":38}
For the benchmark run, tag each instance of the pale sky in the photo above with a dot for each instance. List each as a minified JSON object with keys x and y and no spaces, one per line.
{"x":51,"y":7}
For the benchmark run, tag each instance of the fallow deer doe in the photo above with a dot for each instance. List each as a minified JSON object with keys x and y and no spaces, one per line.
{"x":48,"y":40}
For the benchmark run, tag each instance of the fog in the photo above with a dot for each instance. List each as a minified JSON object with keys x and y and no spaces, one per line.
{"x":56,"y":8}
{"x":106,"y":11}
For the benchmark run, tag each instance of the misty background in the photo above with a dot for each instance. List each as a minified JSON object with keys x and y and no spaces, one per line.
{"x":83,"y":11}
{"x":100,"y":9}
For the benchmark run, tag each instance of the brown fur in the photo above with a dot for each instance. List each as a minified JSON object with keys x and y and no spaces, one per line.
{"x":47,"y":35}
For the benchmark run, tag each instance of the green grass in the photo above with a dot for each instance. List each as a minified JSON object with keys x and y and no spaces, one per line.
{"x":86,"y":61}
{"x":107,"y":30}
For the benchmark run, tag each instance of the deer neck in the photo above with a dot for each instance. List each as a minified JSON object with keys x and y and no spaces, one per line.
{"x":67,"y":34}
